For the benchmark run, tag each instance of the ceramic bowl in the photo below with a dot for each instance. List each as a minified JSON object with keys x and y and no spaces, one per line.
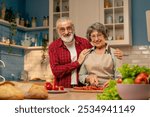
{"x":134,"y":91}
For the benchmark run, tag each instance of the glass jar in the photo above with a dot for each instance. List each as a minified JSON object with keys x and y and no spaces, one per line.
{"x":109,"y":19}
{"x":107,"y":4}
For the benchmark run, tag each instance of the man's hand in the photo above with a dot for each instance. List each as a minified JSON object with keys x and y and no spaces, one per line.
{"x":118,"y":53}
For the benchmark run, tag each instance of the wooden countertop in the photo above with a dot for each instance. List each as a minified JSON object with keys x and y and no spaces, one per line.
{"x":72,"y":96}
{"x":69,"y":95}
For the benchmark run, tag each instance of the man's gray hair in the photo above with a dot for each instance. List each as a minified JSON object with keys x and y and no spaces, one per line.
{"x":63,"y":19}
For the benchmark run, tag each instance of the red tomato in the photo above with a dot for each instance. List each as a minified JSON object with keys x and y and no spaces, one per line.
{"x":55,"y":87}
{"x":48,"y":86}
{"x":141,"y":78}
{"x":119,"y":80}
{"x":61,"y":87}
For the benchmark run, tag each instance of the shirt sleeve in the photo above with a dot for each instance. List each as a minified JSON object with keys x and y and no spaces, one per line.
{"x":83,"y":74}
{"x":60,"y":70}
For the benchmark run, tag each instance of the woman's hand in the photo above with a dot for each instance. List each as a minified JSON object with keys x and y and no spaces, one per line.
{"x":118,"y":53}
{"x":92,"y":79}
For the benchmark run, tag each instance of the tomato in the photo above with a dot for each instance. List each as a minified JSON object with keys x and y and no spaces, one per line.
{"x":141,"y":78}
{"x":55,"y":87}
{"x":48,"y":86}
{"x":119,"y":80}
{"x":61,"y":87}
{"x":128,"y":81}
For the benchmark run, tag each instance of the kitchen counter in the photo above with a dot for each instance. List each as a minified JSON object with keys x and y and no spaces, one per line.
{"x":72,"y":96}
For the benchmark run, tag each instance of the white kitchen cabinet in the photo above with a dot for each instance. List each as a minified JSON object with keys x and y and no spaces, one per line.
{"x":58,"y":8}
{"x":82,"y":12}
{"x":116,"y":16}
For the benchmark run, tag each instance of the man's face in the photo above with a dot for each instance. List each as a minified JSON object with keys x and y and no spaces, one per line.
{"x":66,"y":31}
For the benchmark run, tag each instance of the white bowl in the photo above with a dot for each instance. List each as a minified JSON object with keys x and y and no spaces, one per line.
{"x":134,"y":91}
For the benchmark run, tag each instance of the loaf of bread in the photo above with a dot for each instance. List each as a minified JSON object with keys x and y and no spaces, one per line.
{"x":17,"y":90}
{"x":37,"y":92}
{"x":8,"y":91}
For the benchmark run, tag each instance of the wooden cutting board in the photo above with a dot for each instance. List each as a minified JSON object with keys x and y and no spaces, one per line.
{"x":86,"y":91}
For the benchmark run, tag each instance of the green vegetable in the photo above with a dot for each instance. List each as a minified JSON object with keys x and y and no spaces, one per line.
{"x":131,"y":71}
{"x":110,"y":92}
{"x":128,"y":81}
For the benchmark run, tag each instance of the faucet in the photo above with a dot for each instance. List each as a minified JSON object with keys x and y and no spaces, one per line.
{"x":2,"y":79}
{"x":2,"y":63}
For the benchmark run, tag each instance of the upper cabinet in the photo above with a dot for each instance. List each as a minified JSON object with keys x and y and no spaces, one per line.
{"x":115,"y":15}
{"x":58,"y":8}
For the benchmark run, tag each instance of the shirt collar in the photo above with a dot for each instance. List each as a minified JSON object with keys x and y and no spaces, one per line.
{"x":106,"y":48}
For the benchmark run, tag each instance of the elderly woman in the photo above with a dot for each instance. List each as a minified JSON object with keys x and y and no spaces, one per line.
{"x":100,"y":64}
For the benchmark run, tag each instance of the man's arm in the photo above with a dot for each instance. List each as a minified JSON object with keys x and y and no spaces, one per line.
{"x":60,"y":70}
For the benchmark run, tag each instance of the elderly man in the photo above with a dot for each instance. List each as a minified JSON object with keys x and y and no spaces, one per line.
{"x":67,"y":53}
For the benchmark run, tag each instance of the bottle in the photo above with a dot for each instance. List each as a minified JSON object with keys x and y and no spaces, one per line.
{"x":44,"y":21}
{"x":36,"y":40}
{"x":33,"y":21}
{"x":57,"y":7}
{"x":3,"y":10}
{"x":22,"y":22}
{"x":47,"y":20}
{"x":17,"y":19}
{"x":27,"y":23}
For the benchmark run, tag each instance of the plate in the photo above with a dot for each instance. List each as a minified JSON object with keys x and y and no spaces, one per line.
{"x":57,"y":91}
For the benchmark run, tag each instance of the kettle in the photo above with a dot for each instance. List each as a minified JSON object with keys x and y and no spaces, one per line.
{"x":26,"y":42}
{"x":24,"y":76}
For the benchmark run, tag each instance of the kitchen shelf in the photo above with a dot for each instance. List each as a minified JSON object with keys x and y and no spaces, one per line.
{"x":6,"y":23}
{"x":21,"y":47}
{"x":115,"y":15}
{"x":58,"y":9}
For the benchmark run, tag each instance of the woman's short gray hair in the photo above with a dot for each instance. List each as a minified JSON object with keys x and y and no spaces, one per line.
{"x":97,"y":27}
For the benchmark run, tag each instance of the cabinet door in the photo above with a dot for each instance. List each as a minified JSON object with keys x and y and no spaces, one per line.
{"x":115,"y":15}
{"x":84,"y":13}
{"x":58,"y":8}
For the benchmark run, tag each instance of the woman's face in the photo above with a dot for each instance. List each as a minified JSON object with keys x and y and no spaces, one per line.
{"x":97,"y":39}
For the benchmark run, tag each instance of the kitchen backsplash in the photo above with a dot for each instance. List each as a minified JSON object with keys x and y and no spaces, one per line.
{"x":32,"y":62}
{"x":35,"y":66}
{"x":137,"y":55}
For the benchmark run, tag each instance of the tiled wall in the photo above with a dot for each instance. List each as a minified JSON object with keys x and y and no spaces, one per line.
{"x":137,"y":55}
{"x":35,"y":66}
{"x":133,"y":55}
{"x":13,"y":59}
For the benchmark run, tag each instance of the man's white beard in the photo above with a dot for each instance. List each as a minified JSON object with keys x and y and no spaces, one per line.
{"x":68,"y":39}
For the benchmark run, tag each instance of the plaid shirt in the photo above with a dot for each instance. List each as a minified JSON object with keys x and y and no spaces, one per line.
{"x":60,"y":60}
